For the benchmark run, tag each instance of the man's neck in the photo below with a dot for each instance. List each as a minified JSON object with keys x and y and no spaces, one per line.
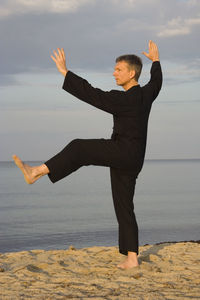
{"x":129,"y":85}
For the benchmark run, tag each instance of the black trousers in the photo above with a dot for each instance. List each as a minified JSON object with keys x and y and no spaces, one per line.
{"x":103,"y":152}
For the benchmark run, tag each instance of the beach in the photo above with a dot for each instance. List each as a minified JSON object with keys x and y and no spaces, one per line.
{"x":166,"y":271}
{"x":39,"y":223}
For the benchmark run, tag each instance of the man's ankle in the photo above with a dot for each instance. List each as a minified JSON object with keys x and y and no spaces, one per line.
{"x":132,"y":255}
{"x":44,"y":170}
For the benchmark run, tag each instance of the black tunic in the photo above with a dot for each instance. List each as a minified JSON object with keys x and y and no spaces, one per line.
{"x":130,"y":110}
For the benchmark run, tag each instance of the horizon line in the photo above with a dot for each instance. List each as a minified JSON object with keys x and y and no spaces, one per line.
{"x":147,"y":159}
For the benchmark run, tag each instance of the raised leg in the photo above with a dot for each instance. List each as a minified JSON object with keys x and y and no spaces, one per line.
{"x":85,"y":152}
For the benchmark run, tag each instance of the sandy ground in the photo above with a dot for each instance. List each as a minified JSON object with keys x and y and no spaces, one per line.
{"x":166,"y":271}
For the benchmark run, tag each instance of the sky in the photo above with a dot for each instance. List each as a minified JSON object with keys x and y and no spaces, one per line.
{"x":38,"y":118}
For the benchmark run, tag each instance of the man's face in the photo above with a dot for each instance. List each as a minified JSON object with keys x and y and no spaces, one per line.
{"x":122,"y":73}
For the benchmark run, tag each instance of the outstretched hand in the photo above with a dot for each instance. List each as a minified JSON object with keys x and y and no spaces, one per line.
{"x":59,"y":59}
{"x":153,"y":52}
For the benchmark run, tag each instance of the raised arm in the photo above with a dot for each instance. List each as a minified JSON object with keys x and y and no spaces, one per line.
{"x":80,"y":88}
{"x":83,"y":90}
{"x":154,"y":85}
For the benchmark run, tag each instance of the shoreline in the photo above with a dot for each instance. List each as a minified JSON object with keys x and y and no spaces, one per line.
{"x":168,"y":270}
{"x":87,"y":247}
{"x":174,"y":242}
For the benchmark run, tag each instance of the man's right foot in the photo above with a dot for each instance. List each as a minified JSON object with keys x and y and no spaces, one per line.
{"x":26,"y":170}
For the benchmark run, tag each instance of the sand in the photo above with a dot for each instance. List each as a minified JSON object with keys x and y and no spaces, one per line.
{"x":166,"y":271}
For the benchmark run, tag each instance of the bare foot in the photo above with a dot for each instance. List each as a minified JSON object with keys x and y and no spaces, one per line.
{"x":127,"y":264}
{"x":130,"y":262}
{"x":30,"y":174}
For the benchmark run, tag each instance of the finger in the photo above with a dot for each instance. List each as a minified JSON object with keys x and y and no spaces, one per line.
{"x":53,"y":58}
{"x":63,"y":53}
{"x":146,"y":54}
{"x":156,"y":47}
{"x":150,"y":43}
{"x":59,"y":52}
{"x":55,"y":53}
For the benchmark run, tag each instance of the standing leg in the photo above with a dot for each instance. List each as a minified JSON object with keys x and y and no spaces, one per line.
{"x":123,"y":187}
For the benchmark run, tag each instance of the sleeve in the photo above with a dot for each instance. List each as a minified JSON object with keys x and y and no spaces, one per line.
{"x":81,"y":89}
{"x":153,"y":87}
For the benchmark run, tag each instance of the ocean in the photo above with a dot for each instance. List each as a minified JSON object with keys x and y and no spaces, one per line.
{"x":79,"y":211}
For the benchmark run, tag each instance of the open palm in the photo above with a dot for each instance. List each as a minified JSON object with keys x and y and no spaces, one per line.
{"x":153,"y":52}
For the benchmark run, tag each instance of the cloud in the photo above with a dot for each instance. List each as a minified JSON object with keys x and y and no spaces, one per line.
{"x":18,"y":7}
{"x":179,"y":26}
{"x":7,"y":80}
{"x":93,"y":32}
{"x":92,"y":36}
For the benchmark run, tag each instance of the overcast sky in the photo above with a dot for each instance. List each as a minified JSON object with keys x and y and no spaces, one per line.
{"x":37,"y":118}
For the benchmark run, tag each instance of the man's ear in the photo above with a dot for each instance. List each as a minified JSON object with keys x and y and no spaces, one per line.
{"x":132,"y":74}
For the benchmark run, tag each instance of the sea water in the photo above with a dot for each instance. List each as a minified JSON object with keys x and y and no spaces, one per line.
{"x":78,"y":210}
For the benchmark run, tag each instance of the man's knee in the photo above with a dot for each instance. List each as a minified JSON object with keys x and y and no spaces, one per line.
{"x":78,"y":153}
{"x":75,"y":144}
{"x":74,"y":147}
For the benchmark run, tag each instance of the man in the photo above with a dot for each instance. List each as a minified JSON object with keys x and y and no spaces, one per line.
{"x":124,"y":152}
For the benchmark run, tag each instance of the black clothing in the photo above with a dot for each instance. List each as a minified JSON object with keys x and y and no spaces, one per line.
{"x":123,"y":188}
{"x":123,"y":153}
{"x":130,"y":110}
